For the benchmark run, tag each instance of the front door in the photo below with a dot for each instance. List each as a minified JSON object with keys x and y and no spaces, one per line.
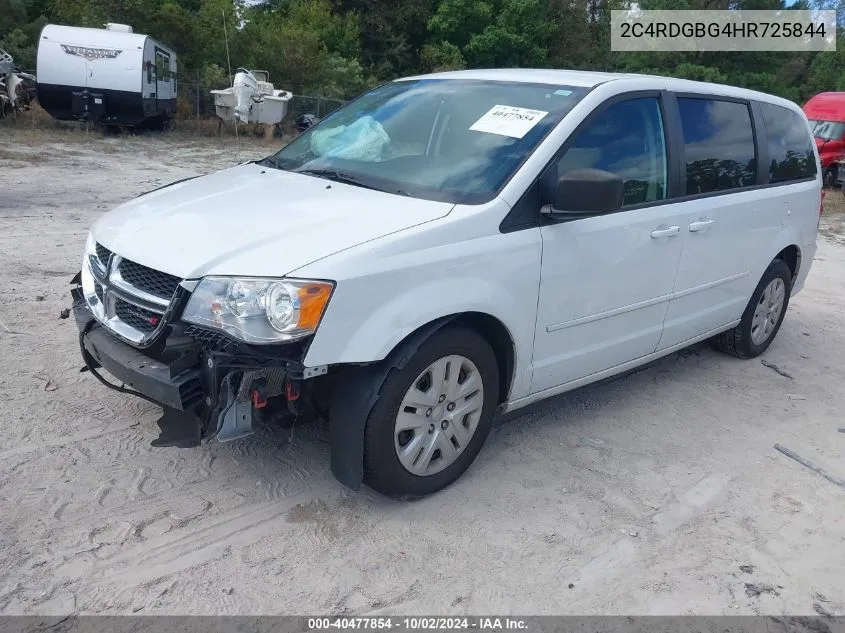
{"x":606,"y":280}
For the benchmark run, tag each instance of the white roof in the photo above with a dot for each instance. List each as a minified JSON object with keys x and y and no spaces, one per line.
{"x":590,"y":79}
{"x":84,"y":36}
{"x":582,"y":78}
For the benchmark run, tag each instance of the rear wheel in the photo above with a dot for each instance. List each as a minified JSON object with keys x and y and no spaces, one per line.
{"x":763,"y":315}
{"x":433,"y":415}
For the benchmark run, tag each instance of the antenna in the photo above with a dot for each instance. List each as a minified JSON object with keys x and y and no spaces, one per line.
{"x":226,"y":39}
{"x":231,"y":79}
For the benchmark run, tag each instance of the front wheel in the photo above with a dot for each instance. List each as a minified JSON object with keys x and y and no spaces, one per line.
{"x":763,"y":315}
{"x":433,"y":415}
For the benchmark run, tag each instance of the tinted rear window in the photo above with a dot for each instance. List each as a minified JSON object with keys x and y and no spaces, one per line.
{"x":718,"y":145}
{"x":790,"y":145}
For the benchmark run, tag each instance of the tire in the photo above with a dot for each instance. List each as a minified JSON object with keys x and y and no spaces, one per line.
{"x":383,"y":441}
{"x":744,"y":340}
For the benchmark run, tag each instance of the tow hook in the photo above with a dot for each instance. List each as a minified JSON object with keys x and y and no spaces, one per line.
{"x":292,"y":392}
{"x":292,"y":389}
{"x":258,"y":393}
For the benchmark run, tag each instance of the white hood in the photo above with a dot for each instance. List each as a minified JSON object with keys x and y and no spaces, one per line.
{"x":253,"y":220}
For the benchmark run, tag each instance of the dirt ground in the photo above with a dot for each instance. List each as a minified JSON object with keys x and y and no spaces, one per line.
{"x":658,"y":493}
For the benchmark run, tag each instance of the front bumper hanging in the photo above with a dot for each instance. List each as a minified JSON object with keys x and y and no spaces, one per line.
{"x":200,"y":388}
{"x":176,"y":385}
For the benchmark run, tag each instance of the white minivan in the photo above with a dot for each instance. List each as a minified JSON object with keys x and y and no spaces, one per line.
{"x":448,"y":246}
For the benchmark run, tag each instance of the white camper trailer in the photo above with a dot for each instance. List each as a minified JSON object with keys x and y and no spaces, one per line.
{"x":111,"y":75}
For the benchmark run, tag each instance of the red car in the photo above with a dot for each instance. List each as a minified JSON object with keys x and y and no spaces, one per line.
{"x":826,"y":112}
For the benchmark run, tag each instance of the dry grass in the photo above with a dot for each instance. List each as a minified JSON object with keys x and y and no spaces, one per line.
{"x":19,"y":156}
{"x":834,"y":201}
{"x":34,"y":117}
{"x":36,"y":124}
{"x":212,"y":126}
{"x":832,"y":223}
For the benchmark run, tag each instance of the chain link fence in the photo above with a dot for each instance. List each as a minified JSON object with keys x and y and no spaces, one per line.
{"x":196,"y":101}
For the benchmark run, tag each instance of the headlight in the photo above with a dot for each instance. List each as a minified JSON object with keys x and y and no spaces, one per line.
{"x":258,"y":310}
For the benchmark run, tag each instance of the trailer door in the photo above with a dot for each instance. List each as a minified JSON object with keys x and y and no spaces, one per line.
{"x":164,"y":79}
{"x":149,"y":90}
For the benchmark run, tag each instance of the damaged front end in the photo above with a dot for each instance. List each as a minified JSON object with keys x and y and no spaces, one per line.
{"x":206,"y":382}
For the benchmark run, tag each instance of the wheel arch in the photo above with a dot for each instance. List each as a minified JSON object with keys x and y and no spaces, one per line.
{"x":360,"y":388}
{"x":501,"y":341}
{"x":791,"y":255}
{"x":491,"y":328}
{"x":784,"y":246}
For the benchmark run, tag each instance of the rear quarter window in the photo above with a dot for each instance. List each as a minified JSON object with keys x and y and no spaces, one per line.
{"x":790,"y":144}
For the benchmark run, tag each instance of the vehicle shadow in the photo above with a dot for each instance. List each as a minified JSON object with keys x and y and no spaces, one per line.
{"x":282,"y":455}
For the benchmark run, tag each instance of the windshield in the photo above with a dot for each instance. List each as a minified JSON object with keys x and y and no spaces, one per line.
{"x":450,"y":140}
{"x":827,"y":130}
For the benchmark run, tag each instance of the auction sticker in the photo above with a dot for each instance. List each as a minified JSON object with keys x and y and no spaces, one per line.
{"x":508,"y":121}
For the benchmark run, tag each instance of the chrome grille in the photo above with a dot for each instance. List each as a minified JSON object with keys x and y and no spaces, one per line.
{"x":103,"y":254}
{"x":129,"y":299}
{"x":140,"y":318}
{"x":152,"y":281}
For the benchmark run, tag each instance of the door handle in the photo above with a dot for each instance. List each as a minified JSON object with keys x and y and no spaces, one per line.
{"x":669,"y":231}
{"x":701,"y":225}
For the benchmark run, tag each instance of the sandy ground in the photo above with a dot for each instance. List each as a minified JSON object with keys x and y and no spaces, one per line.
{"x":658,"y":493}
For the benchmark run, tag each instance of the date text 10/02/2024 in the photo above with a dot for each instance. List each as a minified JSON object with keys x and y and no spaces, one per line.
{"x":419,"y":623}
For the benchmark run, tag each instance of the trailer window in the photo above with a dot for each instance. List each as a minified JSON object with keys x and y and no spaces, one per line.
{"x":149,"y":72}
{"x":162,"y":67}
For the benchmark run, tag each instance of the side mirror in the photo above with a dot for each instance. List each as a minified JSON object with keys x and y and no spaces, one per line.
{"x":586,"y":192}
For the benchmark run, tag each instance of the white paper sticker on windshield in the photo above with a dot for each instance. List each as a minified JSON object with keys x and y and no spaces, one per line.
{"x":508,"y":121}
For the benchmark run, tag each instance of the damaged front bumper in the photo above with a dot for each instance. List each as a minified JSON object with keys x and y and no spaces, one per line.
{"x":176,"y":385}
{"x":206,"y":383}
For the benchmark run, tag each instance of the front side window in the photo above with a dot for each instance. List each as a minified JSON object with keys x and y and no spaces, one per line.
{"x":790,"y":146}
{"x":453,"y":140}
{"x":627,"y":140}
{"x":718,"y":145}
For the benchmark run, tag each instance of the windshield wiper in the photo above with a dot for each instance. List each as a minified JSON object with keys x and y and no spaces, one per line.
{"x":336,"y":176}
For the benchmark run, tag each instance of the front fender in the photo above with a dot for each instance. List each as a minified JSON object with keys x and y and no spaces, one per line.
{"x":374,"y":337}
{"x":386,"y":291}
{"x":350,"y":337}
{"x":355,"y":396}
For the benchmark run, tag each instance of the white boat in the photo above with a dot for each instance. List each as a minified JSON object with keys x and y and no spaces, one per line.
{"x":251,"y":99}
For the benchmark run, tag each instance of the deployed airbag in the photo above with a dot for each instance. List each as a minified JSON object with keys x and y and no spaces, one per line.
{"x":364,"y":140}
